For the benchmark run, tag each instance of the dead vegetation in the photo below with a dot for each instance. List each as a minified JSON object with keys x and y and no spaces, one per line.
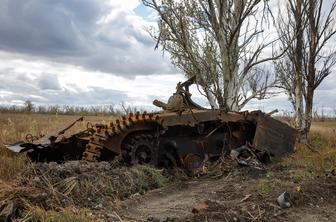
{"x":96,"y":186}
{"x":37,"y":214}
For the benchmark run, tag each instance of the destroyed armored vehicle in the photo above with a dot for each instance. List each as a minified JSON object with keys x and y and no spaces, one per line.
{"x":183,"y":134}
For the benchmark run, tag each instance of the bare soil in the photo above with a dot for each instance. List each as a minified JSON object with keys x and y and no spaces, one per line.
{"x":239,"y":196}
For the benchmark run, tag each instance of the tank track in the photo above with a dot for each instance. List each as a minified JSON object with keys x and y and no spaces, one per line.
{"x":140,"y":148}
{"x":119,"y":127}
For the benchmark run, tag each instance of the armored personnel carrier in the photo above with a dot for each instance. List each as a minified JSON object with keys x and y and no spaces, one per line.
{"x":182,"y":134}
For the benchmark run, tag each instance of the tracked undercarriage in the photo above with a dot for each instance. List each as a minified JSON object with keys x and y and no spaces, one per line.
{"x":183,"y":134}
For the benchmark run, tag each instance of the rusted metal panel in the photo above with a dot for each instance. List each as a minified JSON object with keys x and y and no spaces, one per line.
{"x":194,"y":117}
{"x":274,"y":136}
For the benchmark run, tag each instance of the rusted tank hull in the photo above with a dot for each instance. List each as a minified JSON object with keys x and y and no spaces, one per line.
{"x":183,"y":134}
{"x":175,"y":138}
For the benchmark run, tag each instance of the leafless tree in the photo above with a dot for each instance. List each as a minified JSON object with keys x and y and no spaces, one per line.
{"x":29,"y":106}
{"x":310,"y":58}
{"x":289,"y":69}
{"x":219,"y":41}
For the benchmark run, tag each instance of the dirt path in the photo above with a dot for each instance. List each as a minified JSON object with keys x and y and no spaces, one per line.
{"x":174,"y":201}
{"x":225,"y":197}
{"x":314,"y":214}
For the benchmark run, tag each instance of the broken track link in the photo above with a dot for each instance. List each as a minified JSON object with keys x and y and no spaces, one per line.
{"x":119,"y":127}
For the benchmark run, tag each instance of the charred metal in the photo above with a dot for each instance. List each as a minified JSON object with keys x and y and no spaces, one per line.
{"x":183,"y":134}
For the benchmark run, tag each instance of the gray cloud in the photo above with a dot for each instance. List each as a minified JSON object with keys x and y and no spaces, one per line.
{"x":13,"y":82}
{"x":46,"y":89}
{"x":49,"y":81}
{"x":94,"y":96}
{"x":67,"y":31}
{"x":98,"y":96}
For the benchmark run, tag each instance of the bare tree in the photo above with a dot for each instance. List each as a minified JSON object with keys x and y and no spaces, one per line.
{"x":290,"y":68}
{"x":219,"y":41}
{"x":310,"y":58}
{"x":29,"y":106}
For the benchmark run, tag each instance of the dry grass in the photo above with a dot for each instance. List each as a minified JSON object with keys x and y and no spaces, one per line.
{"x":11,"y":165}
{"x":14,"y":127}
{"x":325,"y":131}
{"x":317,"y":158}
{"x":68,"y":214}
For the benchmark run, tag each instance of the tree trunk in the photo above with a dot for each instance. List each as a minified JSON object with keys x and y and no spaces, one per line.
{"x":313,"y":41}
{"x":298,"y":69}
{"x":211,"y":98}
{"x":298,"y":108}
{"x":308,"y":111}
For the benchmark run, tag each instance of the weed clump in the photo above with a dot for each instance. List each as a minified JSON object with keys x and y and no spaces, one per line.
{"x":67,"y":214}
{"x":148,"y":177}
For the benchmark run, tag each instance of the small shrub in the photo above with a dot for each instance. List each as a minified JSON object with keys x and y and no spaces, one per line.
{"x":148,"y":177}
{"x":302,"y":175}
{"x":264,"y":187}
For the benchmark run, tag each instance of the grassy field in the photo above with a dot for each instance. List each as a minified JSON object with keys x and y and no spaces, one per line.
{"x":309,"y":162}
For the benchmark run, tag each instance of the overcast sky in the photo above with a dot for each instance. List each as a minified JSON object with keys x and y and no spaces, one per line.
{"x":92,"y":52}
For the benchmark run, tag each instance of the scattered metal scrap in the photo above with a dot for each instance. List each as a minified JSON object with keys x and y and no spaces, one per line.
{"x":247,"y":156}
{"x":183,"y":134}
{"x":284,"y":200}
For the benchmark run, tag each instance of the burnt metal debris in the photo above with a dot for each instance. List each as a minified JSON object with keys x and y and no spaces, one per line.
{"x":183,"y":134}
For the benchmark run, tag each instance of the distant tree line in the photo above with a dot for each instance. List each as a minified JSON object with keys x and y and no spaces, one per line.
{"x":30,"y":107}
